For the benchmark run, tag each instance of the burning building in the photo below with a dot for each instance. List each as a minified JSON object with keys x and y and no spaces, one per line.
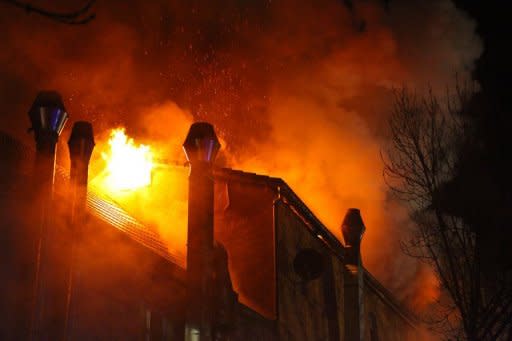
{"x":258,"y":265}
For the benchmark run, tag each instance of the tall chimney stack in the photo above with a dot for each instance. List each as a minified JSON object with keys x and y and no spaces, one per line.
{"x":48,"y":117}
{"x":201,"y":147}
{"x":81,"y":145}
{"x":352,"y":229}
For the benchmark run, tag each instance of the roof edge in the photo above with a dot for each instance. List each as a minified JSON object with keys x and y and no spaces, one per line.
{"x":282,"y":189}
{"x":389,"y":298}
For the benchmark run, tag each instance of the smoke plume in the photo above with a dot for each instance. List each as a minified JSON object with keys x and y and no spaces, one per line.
{"x":296,"y":89}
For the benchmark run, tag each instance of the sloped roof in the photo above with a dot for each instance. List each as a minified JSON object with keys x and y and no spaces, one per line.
{"x":284,"y":192}
{"x":318,"y":228}
{"x":108,"y":211}
{"x":120,"y":219}
{"x":384,"y":294}
{"x":101,"y":206}
{"x":105,"y":208}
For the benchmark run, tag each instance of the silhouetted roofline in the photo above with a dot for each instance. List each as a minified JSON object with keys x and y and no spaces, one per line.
{"x":103,"y":208}
{"x":111,"y":213}
{"x":283,"y":191}
{"x":115,"y":216}
{"x":381,"y":291}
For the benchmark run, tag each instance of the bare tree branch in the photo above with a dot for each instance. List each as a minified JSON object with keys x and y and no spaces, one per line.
{"x":80,"y":16}
{"x":427,"y":136}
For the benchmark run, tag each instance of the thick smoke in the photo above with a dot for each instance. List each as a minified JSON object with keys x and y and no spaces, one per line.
{"x":298,"y":90}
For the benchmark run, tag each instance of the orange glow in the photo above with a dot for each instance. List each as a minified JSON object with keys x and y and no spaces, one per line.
{"x":147,"y":181}
{"x":301,"y":92}
{"x":129,"y":165}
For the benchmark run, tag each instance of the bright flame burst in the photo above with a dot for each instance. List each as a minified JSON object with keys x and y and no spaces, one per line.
{"x":129,"y":165}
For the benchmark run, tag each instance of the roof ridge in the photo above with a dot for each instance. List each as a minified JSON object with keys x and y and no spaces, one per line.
{"x":283,"y":189}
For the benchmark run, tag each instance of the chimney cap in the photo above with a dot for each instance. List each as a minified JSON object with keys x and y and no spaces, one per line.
{"x":81,"y":140}
{"x":201,"y":143}
{"x":353,"y":227}
{"x":48,"y":113}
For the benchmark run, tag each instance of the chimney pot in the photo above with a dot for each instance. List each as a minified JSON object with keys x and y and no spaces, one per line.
{"x":81,"y":142}
{"x":48,"y":114}
{"x":201,"y":144}
{"x":352,"y":227}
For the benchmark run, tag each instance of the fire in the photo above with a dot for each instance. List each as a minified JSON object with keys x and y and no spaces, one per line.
{"x":129,"y":165}
{"x":140,"y":180}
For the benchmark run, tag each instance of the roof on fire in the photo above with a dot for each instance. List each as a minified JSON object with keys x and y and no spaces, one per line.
{"x":107,"y":210}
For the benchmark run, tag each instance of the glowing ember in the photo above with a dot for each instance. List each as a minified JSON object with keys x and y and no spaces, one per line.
{"x":128,"y":165}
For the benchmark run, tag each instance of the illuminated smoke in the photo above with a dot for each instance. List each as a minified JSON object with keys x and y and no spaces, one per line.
{"x":299,"y":90}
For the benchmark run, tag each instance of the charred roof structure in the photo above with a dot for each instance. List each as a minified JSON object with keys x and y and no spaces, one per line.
{"x":259,"y":264}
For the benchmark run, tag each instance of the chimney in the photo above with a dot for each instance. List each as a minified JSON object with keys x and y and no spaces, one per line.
{"x":81,"y":145}
{"x":201,"y":147}
{"x":48,"y":117}
{"x":352,"y":229}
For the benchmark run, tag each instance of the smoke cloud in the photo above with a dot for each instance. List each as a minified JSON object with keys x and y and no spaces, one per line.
{"x":298,"y":90}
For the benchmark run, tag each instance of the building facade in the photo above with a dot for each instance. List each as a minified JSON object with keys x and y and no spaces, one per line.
{"x":276,"y":272}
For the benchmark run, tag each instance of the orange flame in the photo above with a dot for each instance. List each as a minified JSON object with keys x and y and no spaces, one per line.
{"x":129,"y":165}
{"x":138,"y":179}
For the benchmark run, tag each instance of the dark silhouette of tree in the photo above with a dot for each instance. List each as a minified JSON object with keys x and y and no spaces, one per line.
{"x":80,"y":16}
{"x":431,"y":138}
